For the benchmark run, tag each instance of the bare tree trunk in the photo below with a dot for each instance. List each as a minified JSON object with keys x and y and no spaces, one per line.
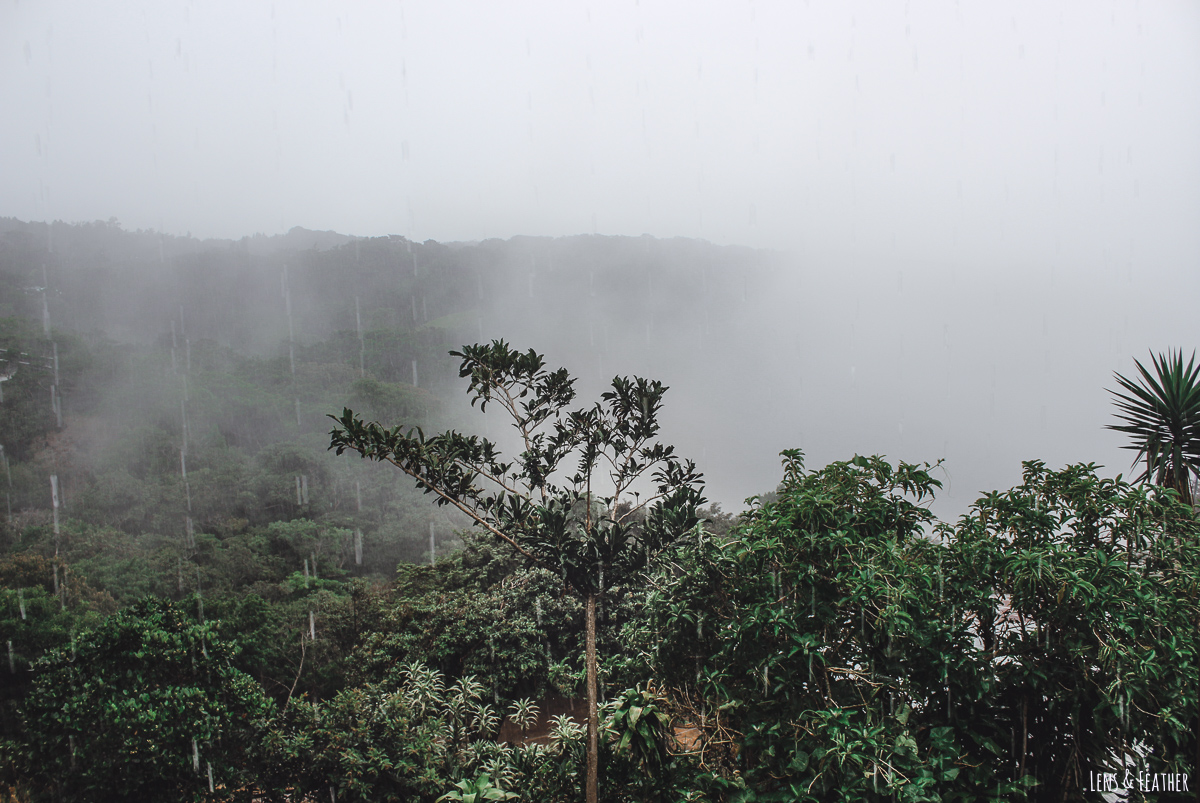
{"x":592,"y":791}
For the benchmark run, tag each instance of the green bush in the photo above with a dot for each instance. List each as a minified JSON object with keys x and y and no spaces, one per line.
{"x":144,"y":707}
{"x":855,"y":649}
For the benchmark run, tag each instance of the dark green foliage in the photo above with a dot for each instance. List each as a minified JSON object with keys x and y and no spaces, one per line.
{"x":478,"y":612}
{"x":43,"y":605}
{"x":638,"y":731}
{"x":859,"y":659}
{"x":115,"y":715}
{"x":413,"y":739}
{"x":1088,"y":624}
{"x":570,"y":529}
{"x":566,"y":528}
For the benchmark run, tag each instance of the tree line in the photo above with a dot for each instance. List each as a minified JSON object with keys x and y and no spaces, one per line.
{"x":836,"y":642}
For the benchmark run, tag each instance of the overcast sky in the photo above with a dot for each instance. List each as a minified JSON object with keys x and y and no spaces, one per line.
{"x":983,"y":198}
{"x":774,"y":124}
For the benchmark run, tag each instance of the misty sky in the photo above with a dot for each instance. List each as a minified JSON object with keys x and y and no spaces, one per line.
{"x":991,"y":206}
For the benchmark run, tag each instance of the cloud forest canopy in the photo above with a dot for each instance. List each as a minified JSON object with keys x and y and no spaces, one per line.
{"x":835,"y":642}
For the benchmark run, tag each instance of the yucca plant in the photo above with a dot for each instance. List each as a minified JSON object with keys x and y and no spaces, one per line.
{"x":523,"y":713}
{"x":476,"y":790}
{"x":1162,"y":414}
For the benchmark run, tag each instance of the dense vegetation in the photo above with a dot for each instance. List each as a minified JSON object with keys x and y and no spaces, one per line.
{"x":208,"y":604}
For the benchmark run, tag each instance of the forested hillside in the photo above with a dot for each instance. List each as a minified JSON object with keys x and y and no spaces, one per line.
{"x":200,"y":600}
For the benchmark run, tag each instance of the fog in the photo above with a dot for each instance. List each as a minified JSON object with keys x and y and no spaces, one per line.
{"x":966,"y":216}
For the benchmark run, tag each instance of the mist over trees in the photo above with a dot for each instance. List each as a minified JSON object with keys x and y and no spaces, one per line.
{"x":199,"y":600}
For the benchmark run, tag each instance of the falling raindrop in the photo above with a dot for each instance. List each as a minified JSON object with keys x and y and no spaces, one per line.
{"x":195,"y":756}
{"x":362,"y":348}
{"x":12,"y":663}
{"x":183,"y":414}
{"x":432,"y":546}
{"x":21,"y":594}
{"x":357,"y":546}
{"x":210,"y":778}
{"x":312,"y":626}
{"x":54,"y":504}
{"x":8,"y":474}
{"x":199,"y":597}
{"x":946,"y":677}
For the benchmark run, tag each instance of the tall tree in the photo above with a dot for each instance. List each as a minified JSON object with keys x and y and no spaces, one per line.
{"x":1162,"y":414}
{"x":591,"y":526}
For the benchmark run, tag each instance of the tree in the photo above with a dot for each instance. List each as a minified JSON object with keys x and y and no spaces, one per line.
{"x":144,"y":707}
{"x":558,"y":520}
{"x":1162,"y":414}
{"x":851,"y":656}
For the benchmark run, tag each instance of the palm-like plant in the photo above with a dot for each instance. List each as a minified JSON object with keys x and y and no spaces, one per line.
{"x":1162,"y":414}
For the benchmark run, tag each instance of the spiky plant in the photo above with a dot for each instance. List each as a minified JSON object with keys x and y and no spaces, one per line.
{"x":523,"y":713}
{"x":1162,"y":414}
